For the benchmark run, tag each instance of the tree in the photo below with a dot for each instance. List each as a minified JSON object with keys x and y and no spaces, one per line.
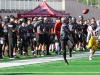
{"x":93,"y":2}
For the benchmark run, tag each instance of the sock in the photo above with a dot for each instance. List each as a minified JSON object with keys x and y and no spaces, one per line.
{"x":24,"y":53}
{"x":43,"y":52}
{"x":91,"y":55}
{"x":90,"y":50}
{"x":14,"y":54}
{"x":39,"y":52}
{"x":32,"y":51}
{"x":3,"y":52}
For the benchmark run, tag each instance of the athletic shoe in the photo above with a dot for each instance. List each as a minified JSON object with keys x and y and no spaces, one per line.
{"x":90,"y":58}
{"x":84,"y":49}
{"x":38,"y":55}
{"x":74,"y":51}
{"x":42,"y":55}
{"x":16,"y":56}
{"x":1,"y":58}
{"x":11,"y":58}
{"x":66,"y":63}
{"x":34,"y":55}
{"x":70,"y":55}
{"x":78,"y":49}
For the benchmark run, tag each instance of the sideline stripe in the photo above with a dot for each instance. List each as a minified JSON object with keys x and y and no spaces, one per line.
{"x":49,"y":72}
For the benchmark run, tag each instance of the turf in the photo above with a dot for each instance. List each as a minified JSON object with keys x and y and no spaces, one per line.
{"x":80,"y":66}
{"x":6,"y":59}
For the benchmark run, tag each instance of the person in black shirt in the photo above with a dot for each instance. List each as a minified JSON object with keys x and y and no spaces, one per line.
{"x":85,"y":27}
{"x":52,"y":39}
{"x":29,"y":34}
{"x":1,"y":38}
{"x":65,"y":39}
{"x":23,"y":36}
{"x":11,"y":36}
{"x":5,"y":23}
{"x":16,"y":48}
{"x":46,"y":39}
{"x":5,"y":44}
{"x":81,"y":35}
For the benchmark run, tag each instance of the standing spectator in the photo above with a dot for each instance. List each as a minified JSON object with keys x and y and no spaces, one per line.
{"x":5,"y":30}
{"x":89,"y":30}
{"x":7,"y":20}
{"x":85,"y":27}
{"x":93,"y":20}
{"x":46,"y":34}
{"x":1,"y":38}
{"x":39,"y":35}
{"x":5,"y":44}
{"x":29,"y":34}
{"x":57,"y":28}
{"x":80,"y":33}
{"x":81,"y":18}
{"x":52,"y":39}
{"x":11,"y":36}
{"x":88,"y":22}
{"x":23,"y":36}
{"x":73,"y":26}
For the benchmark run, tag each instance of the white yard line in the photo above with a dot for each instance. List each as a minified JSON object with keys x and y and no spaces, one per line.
{"x":42,"y":60}
{"x":50,"y":72}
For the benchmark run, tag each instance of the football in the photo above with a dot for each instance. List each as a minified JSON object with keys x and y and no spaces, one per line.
{"x":85,"y":11}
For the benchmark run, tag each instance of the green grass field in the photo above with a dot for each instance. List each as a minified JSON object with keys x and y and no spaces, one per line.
{"x":6,"y":59}
{"x":80,"y":66}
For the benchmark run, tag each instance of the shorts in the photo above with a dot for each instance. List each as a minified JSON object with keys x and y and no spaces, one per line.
{"x":80,"y":38}
{"x":34,"y":43}
{"x":39,"y":39}
{"x":93,"y":43}
{"x":6,"y":40}
{"x":45,"y":39}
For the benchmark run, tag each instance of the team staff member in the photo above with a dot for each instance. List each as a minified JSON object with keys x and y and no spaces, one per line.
{"x":11,"y":35}
{"x":57,"y":28}
{"x":65,"y":39}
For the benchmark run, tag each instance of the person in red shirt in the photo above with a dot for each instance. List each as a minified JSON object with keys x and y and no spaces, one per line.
{"x":57,"y":28}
